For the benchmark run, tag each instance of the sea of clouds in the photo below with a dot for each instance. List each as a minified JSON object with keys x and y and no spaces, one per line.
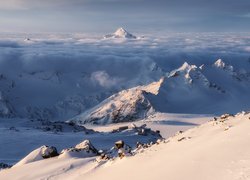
{"x":50,"y":68}
{"x":76,"y":52}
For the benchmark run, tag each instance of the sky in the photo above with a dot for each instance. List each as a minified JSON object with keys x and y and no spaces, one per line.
{"x":101,"y":16}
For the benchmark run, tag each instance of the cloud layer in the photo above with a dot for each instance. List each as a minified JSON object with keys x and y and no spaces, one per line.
{"x":41,"y":70}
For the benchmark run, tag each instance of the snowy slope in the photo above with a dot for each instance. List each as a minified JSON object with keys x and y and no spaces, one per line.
{"x":218,"y":149}
{"x":21,"y":136}
{"x":127,"y":105}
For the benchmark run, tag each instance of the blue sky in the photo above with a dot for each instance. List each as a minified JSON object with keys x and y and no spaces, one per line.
{"x":101,"y":16}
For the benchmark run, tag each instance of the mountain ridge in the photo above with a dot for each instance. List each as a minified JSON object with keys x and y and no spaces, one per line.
{"x":173,"y":93}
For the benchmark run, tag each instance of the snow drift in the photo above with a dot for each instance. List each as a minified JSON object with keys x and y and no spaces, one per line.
{"x":38,"y":154}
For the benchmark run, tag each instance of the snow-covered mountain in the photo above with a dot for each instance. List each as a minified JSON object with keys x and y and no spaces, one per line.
{"x":127,"y":105}
{"x":187,"y":89}
{"x":120,"y":33}
{"x":210,"y":88}
{"x":58,"y":95}
{"x":205,"y":89}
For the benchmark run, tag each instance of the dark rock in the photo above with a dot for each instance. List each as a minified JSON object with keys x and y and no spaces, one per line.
{"x":4,"y":166}
{"x":119,"y":150}
{"x":225,"y":116}
{"x":49,"y":151}
{"x":58,"y":126}
{"x":119,"y":144}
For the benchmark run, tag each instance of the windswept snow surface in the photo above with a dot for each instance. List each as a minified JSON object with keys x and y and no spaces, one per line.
{"x":19,"y":137}
{"x":218,"y":149}
{"x":215,"y":150}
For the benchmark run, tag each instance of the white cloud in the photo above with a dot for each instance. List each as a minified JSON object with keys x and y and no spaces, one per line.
{"x":104,"y":80}
{"x":110,"y":63}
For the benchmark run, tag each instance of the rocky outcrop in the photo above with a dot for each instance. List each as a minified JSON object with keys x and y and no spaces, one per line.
{"x":81,"y":150}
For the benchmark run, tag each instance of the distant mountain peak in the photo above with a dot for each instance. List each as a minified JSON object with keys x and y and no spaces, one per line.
{"x":121,"y":33}
{"x":189,"y":73}
{"x":220,"y":64}
{"x":224,"y":66}
{"x":187,"y":67}
{"x":184,"y":69}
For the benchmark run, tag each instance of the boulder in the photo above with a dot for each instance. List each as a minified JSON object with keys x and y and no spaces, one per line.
{"x":119,"y":144}
{"x":87,"y":146}
{"x":81,"y":150}
{"x":49,"y":151}
{"x":144,"y":131}
{"x":120,"y":149}
{"x":225,"y":116}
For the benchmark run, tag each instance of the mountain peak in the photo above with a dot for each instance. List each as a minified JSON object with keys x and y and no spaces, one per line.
{"x":189,"y":73}
{"x":220,"y":64}
{"x":121,"y":33}
{"x":186,"y":67}
{"x":154,"y":87}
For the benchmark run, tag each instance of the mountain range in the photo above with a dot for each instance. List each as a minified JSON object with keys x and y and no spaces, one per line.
{"x":210,"y":89}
